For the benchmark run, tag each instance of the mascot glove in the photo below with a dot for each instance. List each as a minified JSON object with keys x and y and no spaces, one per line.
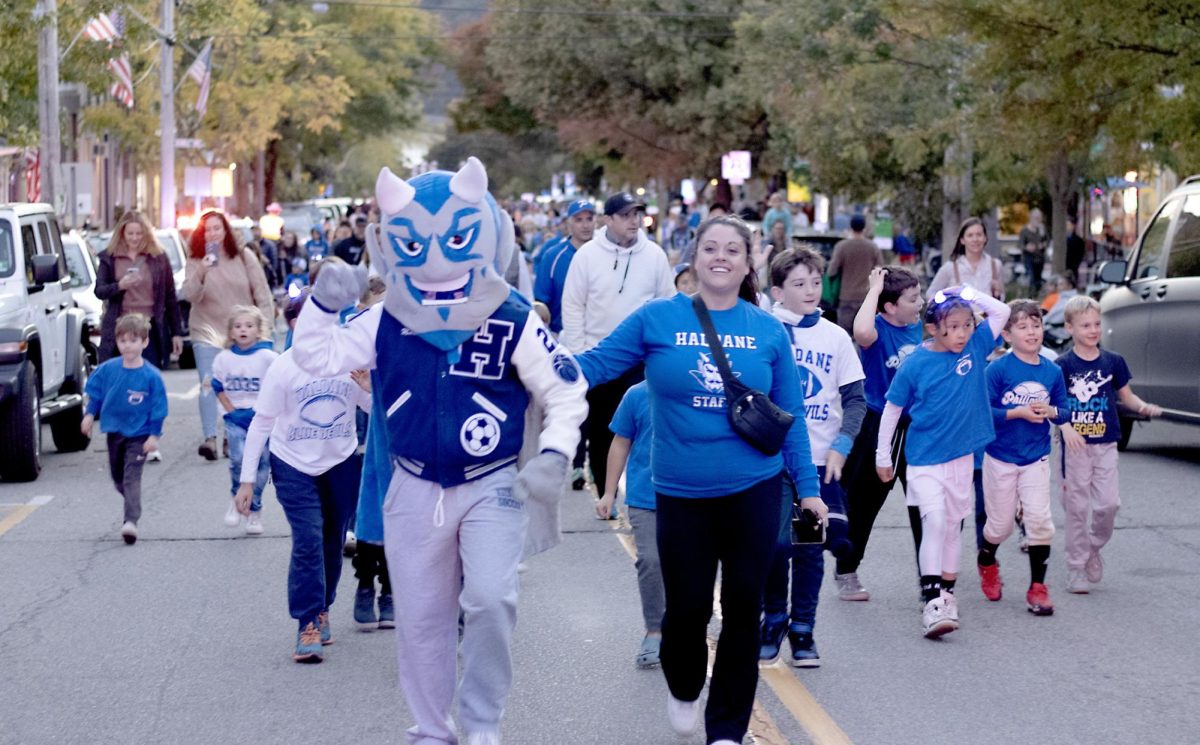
{"x":543,"y":478}
{"x":339,"y":285}
{"x":837,"y":537}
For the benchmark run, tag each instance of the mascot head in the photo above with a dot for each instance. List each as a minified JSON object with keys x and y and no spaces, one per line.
{"x":442,"y":246}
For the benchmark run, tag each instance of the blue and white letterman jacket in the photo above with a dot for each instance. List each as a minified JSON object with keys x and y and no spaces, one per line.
{"x":453,"y":417}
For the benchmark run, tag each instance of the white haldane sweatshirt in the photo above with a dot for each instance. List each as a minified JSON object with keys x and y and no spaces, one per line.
{"x":606,"y":283}
{"x":309,"y":419}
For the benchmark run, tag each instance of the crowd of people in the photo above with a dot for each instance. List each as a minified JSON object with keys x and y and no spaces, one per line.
{"x":619,"y":356}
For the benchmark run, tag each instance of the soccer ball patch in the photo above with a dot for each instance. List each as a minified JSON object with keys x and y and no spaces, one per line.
{"x":480,"y":434}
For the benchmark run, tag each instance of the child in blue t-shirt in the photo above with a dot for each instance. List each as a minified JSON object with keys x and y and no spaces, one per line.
{"x":128,"y":395}
{"x":630,"y":452}
{"x":1026,"y":392}
{"x":887,"y":329}
{"x":942,"y":387}
{"x":1096,"y":380}
{"x":831,"y":378}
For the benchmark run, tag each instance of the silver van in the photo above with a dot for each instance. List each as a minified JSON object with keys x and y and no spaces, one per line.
{"x":1151,"y":314}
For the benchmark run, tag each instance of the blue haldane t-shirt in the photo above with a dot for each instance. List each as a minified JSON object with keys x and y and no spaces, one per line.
{"x":882,"y":359}
{"x":945,"y":394}
{"x":131,"y":401}
{"x":632,"y":421}
{"x":1013,"y":383}
{"x":1092,"y":387}
{"x":695,"y":452}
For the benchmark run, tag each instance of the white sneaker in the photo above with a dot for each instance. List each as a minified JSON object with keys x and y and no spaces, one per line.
{"x":350,"y":545}
{"x":849,"y":588}
{"x":483,"y":738}
{"x":936,"y":618}
{"x":1077,"y":582}
{"x":232,"y":516}
{"x":154,"y":456}
{"x":951,"y":605}
{"x":726,"y":742}
{"x":684,"y":716}
{"x":254,"y":524}
{"x":129,"y":532}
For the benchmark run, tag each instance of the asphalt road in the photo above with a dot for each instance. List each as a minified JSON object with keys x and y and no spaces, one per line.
{"x":185,"y":637}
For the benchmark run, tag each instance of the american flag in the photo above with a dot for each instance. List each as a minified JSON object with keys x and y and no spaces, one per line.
{"x":109,"y":27}
{"x":122,"y":90}
{"x":104,"y":27}
{"x":201,"y":72}
{"x":33,"y":175}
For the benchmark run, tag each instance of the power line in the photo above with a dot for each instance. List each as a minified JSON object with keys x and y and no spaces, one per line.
{"x":533,"y":11}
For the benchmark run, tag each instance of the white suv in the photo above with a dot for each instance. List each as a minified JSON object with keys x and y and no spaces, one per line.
{"x":43,"y":360}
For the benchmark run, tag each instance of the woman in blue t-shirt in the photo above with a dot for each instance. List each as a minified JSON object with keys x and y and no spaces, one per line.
{"x":717,"y":496}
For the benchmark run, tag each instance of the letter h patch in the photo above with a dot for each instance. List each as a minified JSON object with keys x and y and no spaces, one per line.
{"x":484,"y":355}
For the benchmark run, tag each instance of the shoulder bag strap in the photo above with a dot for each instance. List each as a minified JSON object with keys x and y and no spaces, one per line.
{"x":954,"y":263}
{"x":714,"y":341}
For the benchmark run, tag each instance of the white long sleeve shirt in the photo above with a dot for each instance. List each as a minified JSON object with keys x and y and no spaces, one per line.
{"x":308,"y":418}
{"x":606,"y":283}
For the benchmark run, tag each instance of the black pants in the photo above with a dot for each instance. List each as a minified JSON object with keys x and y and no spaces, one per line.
{"x":125,"y":461}
{"x":369,"y":563}
{"x":739,"y":531}
{"x":602,"y":401}
{"x":865,"y":493}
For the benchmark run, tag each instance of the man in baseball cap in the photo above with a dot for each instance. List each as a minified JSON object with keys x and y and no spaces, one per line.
{"x":621,"y":203}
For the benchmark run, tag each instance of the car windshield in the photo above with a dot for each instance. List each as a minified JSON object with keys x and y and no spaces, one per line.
{"x":174,"y":252}
{"x":76,"y":256}
{"x":7,"y":260}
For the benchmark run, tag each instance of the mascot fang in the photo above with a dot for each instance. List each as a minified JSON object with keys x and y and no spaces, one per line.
{"x":455,"y":356}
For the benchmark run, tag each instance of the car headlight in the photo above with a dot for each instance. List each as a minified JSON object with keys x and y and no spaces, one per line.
{"x":13,"y":351}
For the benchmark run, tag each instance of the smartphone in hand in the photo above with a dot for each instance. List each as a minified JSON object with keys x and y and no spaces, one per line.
{"x":807,"y":528}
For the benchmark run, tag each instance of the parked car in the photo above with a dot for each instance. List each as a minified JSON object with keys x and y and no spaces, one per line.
{"x":1150,"y":313}
{"x":43,"y":359}
{"x":81,"y":266}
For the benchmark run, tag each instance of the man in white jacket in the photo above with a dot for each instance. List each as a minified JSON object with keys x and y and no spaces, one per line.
{"x":612,"y":275}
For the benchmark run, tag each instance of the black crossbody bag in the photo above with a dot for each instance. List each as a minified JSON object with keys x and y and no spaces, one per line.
{"x":752,"y":414}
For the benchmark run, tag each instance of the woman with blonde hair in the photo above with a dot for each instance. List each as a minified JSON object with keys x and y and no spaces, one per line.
{"x":134,"y":276}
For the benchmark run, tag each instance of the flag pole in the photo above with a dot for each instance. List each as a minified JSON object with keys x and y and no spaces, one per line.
{"x":166,"y":72}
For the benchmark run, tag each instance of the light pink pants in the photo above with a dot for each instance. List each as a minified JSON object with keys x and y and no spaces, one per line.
{"x":1089,"y":482}
{"x":1006,"y":484}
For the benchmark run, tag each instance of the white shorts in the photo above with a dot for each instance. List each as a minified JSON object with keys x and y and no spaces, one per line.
{"x":945,"y":486}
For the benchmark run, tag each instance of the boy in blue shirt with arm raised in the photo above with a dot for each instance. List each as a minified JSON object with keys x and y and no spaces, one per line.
{"x":128,"y":395}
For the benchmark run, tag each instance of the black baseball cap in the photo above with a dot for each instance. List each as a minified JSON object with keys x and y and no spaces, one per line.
{"x":620,"y":202}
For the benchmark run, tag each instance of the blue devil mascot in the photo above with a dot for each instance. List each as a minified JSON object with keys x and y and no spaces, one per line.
{"x":455,"y":357}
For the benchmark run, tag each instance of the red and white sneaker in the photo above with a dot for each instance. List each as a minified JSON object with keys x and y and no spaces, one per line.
{"x":989,"y":581}
{"x":1038,"y":600}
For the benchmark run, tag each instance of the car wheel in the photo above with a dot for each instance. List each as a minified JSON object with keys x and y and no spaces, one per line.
{"x":21,"y":431}
{"x":1126,"y":433}
{"x":64,"y":427}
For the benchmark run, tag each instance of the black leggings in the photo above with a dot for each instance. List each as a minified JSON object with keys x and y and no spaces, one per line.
{"x":739,"y":531}
{"x":602,"y":401}
{"x":865,"y":493}
{"x":369,"y":563}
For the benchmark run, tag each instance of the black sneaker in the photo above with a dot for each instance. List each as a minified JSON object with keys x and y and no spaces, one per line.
{"x":208,"y":448}
{"x":771,"y":639}
{"x":804,"y":649}
{"x":578,"y":480}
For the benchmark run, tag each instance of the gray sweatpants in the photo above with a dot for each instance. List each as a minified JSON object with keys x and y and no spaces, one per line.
{"x":125,"y":461}
{"x":649,"y":572}
{"x":446,"y":548}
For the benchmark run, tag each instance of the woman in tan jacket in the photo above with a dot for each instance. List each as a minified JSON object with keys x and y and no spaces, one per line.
{"x":220,"y":275}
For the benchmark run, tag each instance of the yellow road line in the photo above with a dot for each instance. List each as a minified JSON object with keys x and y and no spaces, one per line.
{"x":817,"y":723}
{"x":15,"y":517}
{"x":22,"y":511}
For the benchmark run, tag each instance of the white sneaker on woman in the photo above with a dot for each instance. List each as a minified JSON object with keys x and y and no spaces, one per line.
{"x":683,"y":715}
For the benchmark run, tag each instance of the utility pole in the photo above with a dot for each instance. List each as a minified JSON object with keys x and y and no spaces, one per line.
{"x":166,"y":71}
{"x":51,"y":144}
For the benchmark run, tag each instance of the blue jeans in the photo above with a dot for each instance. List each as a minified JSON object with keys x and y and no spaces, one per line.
{"x":807,"y":562}
{"x":235,"y":435}
{"x":205,"y":354}
{"x":317,"y":508}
